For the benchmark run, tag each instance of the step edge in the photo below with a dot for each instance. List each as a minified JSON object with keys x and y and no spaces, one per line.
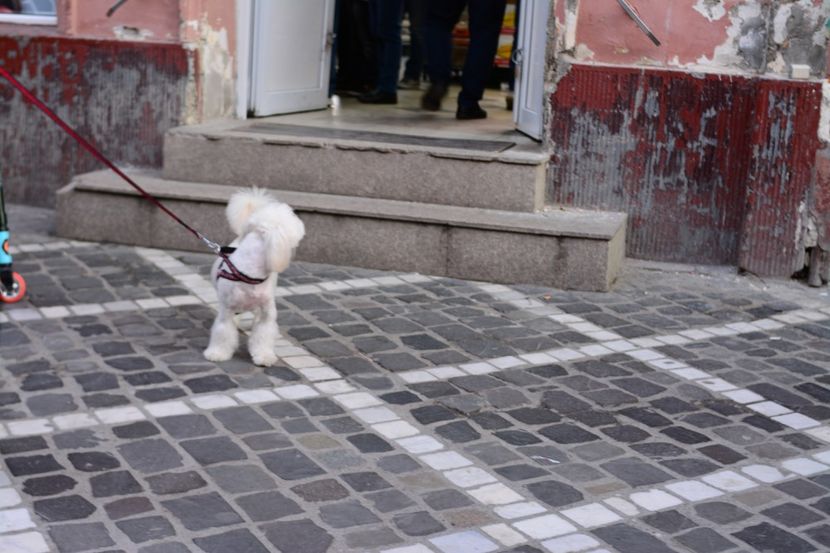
{"x":515,"y":157}
{"x":478,"y":218}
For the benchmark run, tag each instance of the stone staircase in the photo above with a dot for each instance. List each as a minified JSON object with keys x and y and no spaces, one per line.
{"x":442,"y":205}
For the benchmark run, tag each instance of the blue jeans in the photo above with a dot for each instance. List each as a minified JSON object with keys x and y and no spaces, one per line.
{"x":486,"y":18}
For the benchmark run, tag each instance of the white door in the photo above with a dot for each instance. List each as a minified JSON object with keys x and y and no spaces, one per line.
{"x":291,"y":55}
{"x":529,"y":103}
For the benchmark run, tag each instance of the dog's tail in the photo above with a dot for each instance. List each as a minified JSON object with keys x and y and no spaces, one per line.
{"x":243,"y":204}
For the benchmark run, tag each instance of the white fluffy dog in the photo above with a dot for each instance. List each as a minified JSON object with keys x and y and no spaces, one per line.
{"x":267,"y":232}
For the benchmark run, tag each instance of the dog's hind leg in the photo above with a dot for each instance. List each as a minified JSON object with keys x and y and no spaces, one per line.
{"x":263,"y":335}
{"x":224,"y":338}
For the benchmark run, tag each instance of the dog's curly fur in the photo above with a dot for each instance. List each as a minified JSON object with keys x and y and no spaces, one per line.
{"x":267,"y":232}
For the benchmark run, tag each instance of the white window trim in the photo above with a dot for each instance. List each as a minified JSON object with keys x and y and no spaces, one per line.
{"x":25,"y":19}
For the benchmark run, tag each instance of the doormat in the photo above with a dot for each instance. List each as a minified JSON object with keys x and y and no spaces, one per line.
{"x":373,"y":136}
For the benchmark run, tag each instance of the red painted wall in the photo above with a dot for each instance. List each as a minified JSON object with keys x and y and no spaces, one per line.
{"x":156,"y":20}
{"x":710,"y":169}
{"x":122,"y":96}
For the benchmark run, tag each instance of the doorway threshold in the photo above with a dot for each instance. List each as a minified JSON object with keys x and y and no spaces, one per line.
{"x":404,"y":123}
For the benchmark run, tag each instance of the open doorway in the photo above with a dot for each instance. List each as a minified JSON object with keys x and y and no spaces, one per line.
{"x":285,"y":54}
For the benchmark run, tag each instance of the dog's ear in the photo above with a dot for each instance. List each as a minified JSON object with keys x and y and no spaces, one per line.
{"x":282,"y":231}
{"x":242,"y":205}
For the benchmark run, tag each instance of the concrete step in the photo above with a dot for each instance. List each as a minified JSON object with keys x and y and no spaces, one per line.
{"x":563,"y":248}
{"x":506,"y":174}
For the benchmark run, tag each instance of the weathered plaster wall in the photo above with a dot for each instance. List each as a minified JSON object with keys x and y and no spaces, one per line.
{"x":122,"y":81}
{"x":122,"y":96}
{"x":710,"y":169}
{"x":150,"y":20}
{"x":754,"y":36}
{"x":206,"y":27}
{"x":706,"y":141}
{"x":209,"y":29}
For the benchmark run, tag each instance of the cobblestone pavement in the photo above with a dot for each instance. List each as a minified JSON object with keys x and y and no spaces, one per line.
{"x":683,"y":412}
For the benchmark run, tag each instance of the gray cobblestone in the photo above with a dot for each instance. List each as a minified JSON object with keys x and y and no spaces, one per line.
{"x":311,"y":474}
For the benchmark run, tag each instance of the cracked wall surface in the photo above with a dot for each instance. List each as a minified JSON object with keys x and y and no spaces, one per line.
{"x":122,"y":81}
{"x":121,"y":96}
{"x":707,"y":141}
{"x":735,"y":36}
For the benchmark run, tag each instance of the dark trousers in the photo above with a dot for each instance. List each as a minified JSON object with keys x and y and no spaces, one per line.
{"x":385,"y":21}
{"x":486,"y":18}
{"x":417,"y":10}
{"x":355,"y":48}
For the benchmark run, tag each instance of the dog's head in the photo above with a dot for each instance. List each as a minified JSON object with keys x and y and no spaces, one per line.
{"x":256,"y":210}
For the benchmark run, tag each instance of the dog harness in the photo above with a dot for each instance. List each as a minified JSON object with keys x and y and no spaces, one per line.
{"x":231,"y":272}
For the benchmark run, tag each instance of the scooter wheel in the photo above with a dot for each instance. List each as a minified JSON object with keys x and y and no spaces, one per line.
{"x":16,"y":293}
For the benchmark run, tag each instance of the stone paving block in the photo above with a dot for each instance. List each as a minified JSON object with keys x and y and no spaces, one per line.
{"x":201,"y":512}
{"x":301,"y":535}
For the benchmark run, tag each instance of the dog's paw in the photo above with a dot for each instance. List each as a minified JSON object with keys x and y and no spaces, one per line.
{"x":264,"y":359}
{"x":217,"y":354}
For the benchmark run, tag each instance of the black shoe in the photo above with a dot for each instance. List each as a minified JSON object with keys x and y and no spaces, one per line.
{"x":431,"y":100}
{"x":470,"y":112}
{"x":378,"y":97}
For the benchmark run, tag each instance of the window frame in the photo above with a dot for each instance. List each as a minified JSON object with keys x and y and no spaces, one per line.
{"x":29,"y":18}
{"x":26,"y":19}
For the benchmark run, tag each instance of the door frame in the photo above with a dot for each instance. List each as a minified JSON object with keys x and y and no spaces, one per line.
{"x":244,"y":61}
{"x":533,"y":24}
{"x":244,"y":47}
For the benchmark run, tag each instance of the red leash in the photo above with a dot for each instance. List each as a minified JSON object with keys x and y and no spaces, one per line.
{"x":222,"y":252}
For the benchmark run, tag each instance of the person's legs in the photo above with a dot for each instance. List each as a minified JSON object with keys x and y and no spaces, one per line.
{"x":390,"y":13}
{"x":486,"y":18}
{"x":417,"y":18}
{"x":385,"y":17}
{"x":333,"y":62}
{"x":442,"y":15}
{"x":355,"y":50}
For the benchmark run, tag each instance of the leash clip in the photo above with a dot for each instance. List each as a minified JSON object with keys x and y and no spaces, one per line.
{"x":217,"y":249}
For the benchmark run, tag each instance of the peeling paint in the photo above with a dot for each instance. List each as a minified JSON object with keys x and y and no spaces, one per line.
{"x":123,"y":32}
{"x":214,"y":90}
{"x":734,"y":36}
{"x":583,"y":53}
{"x":712,"y":10}
{"x":123,"y":96}
{"x":651,"y":143}
{"x":824,"y":121}
{"x":799,"y":36}
{"x":820,"y":199}
{"x":779,"y":23}
{"x":745,"y":43}
{"x":144,"y":20}
{"x":571,"y":16}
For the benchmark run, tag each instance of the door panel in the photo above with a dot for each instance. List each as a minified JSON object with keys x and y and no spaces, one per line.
{"x":529,"y":104}
{"x":291,"y":55}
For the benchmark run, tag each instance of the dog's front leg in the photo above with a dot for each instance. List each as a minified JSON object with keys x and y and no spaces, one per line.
{"x":263,"y":335}
{"x":224,"y":338}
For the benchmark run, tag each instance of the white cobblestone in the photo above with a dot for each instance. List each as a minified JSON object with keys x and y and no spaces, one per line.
{"x":469,"y":476}
{"x":729,"y":481}
{"x":545,"y":526}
